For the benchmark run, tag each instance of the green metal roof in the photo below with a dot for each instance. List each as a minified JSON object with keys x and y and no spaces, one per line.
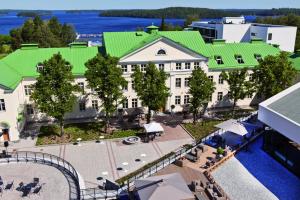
{"x":22,"y":63}
{"x":119,"y":44}
{"x":295,"y":59}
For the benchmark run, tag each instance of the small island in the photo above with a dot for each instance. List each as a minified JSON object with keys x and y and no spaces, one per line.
{"x":34,"y":13}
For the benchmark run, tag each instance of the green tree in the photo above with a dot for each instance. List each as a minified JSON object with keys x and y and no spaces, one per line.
{"x":239,"y":87}
{"x":54,"y":90}
{"x":106,"y":79}
{"x":274,"y":74}
{"x":163,"y":24}
{"x":201,"y":88}
{"x":189,"y":19}
{"x":151,"y":88}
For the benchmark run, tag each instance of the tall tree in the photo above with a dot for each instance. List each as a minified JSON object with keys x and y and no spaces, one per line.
{"x":239,"y":87}
{"x":274,"y":74}
{"x":189,"y":19}
{"x":163,"y":24}
{"x":106,"y":79}
{"x":54,"y":90}
{"x":151,"y":88}
{"x":201,"y":88}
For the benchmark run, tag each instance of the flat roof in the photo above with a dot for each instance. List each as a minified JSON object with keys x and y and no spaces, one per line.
{"x":288,"y":106}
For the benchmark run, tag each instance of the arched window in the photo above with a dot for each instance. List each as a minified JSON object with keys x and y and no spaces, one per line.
{"x":161,"y":52}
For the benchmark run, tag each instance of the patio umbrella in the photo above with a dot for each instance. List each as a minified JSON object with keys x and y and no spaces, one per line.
{"x":233,"y":126}
{"x":153,"y":127}
{"x":170,"y":186}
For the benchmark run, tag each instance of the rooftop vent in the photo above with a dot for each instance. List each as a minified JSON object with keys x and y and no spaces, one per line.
{"x":139,"y":33}
{"x":29,"y":46}
{"x":78,"y":44}
{"x":152,"y":29}
{"x":218,"y":41}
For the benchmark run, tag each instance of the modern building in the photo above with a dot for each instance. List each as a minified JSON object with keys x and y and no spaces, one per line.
{"x":176,"y":52}
{"x":282,"y":114}
{"x":235,"y":29}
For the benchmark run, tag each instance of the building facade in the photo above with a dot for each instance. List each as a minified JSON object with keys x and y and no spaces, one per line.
{"x":177,"y":53}
{"x":235,"y":29}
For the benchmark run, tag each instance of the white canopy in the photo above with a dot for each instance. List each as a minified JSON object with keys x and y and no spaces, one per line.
{"x":233,"y":126}
{"x":153,"y":127}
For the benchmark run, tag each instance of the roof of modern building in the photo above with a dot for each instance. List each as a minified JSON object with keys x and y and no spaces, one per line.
{"x":288,"y":105}
{"x":22,"y":63}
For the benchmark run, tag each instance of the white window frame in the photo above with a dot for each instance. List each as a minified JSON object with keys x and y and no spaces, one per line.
{"x":219,"y":60}
{"x":196,"y":65}
{"x":29,"y":109}
{"x":177,"y":100}
{"x":95,"y":105}
{"x":81,"y":86}
{"x":187,"y":65}
{"x":220,"y":96}
{"x":161,"y":66}
{"x":186,"y":99}
{"x":124,"y":68}
{"x":82,"y":106}
{"x":125,"y":103}
{"x":178,"y":66}
{"x":143,"y":67}
{"x":134,"y":103}
{"x":186,"y":82}
{"x":178,"y":82}
{"x":211,"y":78}
{"x":28,"y":90}
{"x":220,"y":81}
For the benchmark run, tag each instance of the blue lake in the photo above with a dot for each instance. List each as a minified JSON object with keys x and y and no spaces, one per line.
{"x":87,"y":22}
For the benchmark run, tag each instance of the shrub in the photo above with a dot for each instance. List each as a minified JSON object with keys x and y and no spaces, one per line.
{"x":220,"y":151}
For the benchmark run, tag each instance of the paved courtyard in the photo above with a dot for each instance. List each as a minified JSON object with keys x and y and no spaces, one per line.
{"x":93,"y":160}
{"x":54,"y":184}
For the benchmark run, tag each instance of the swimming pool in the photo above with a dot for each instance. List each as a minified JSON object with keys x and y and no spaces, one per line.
{"x":253,"y":174}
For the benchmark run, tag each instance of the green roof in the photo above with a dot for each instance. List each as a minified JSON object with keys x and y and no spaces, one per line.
{"x":22,"y":63}
{"x":295,"y":59}
{"x":120,"y":44}
{"x":288,"y":106}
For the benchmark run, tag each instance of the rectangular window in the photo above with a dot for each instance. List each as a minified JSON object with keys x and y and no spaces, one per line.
{"x":253,"y":34}
{"x":186,"y":82}
{"x":220,"y":96}
{"x":28,"y":90}
{"x":221,"y":81}
{"x":134,"y":103}
{"x":187,"y":65}
{"x":95,"y":104}
{"x":196,"y":65}
{"x":125,"y":87}
{"x":82,"y":106}
{"x":161,"y":67}
{"x":133,"y":67}
{"x":2,"y":105}
{"x":186,"y":99}
{"x":143,"y":67}
{"x":239,"y":59}
{"x":178,"y":66}
{"x":219,"y":60}
{"x":211,"y":78}
{"x":132,"y":85}
{"x":177,"y":100}
{"x":124,"y":68}
{"x":270,"y":36}
{"x":178,"y":82}
{"x":258,"y":57}
{"x":29,"y":109}
{"x":125,"y":103}
{"x":81,"y":86}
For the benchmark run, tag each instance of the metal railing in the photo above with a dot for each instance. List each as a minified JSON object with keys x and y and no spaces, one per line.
{"x":51,"y":160}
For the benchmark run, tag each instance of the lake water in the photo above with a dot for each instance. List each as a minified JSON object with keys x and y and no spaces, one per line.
{"x":87,"y":22}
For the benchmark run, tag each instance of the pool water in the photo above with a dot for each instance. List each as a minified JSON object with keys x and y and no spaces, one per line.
{"x":275,"y":177}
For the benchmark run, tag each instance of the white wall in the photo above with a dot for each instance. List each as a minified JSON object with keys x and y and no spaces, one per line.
{"x":236,"y":33}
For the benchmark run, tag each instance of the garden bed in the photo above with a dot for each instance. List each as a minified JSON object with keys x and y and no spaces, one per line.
{"x":86,"y":131}
{"x":201,"y":129}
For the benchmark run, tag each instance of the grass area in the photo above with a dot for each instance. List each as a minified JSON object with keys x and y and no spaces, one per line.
{"x":2,"y":55}
{"x":86,"y":131}
{"x":199,"y":130}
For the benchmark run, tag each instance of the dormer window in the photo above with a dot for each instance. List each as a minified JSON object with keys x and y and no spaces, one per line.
{"x":161,"y":52}
{"x":239,"y":59}
{"x":219,"y":60}
{"x":258,"y":57}
{"x":39,"y":67}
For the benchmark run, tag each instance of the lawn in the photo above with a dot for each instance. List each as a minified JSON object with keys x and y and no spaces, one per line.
{"x":199,"y":130}
{"x":86,"y":131}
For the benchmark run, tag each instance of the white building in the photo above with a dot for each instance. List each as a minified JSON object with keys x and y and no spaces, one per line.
{"x":235,"y":29}
{"x":175,"y":52}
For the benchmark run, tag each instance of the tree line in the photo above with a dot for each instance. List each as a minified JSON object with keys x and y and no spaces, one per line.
{"x":183,"y":12}
{"x":289,"y":20}
{"x":45,"y":33}
{"x":55,"y":90}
